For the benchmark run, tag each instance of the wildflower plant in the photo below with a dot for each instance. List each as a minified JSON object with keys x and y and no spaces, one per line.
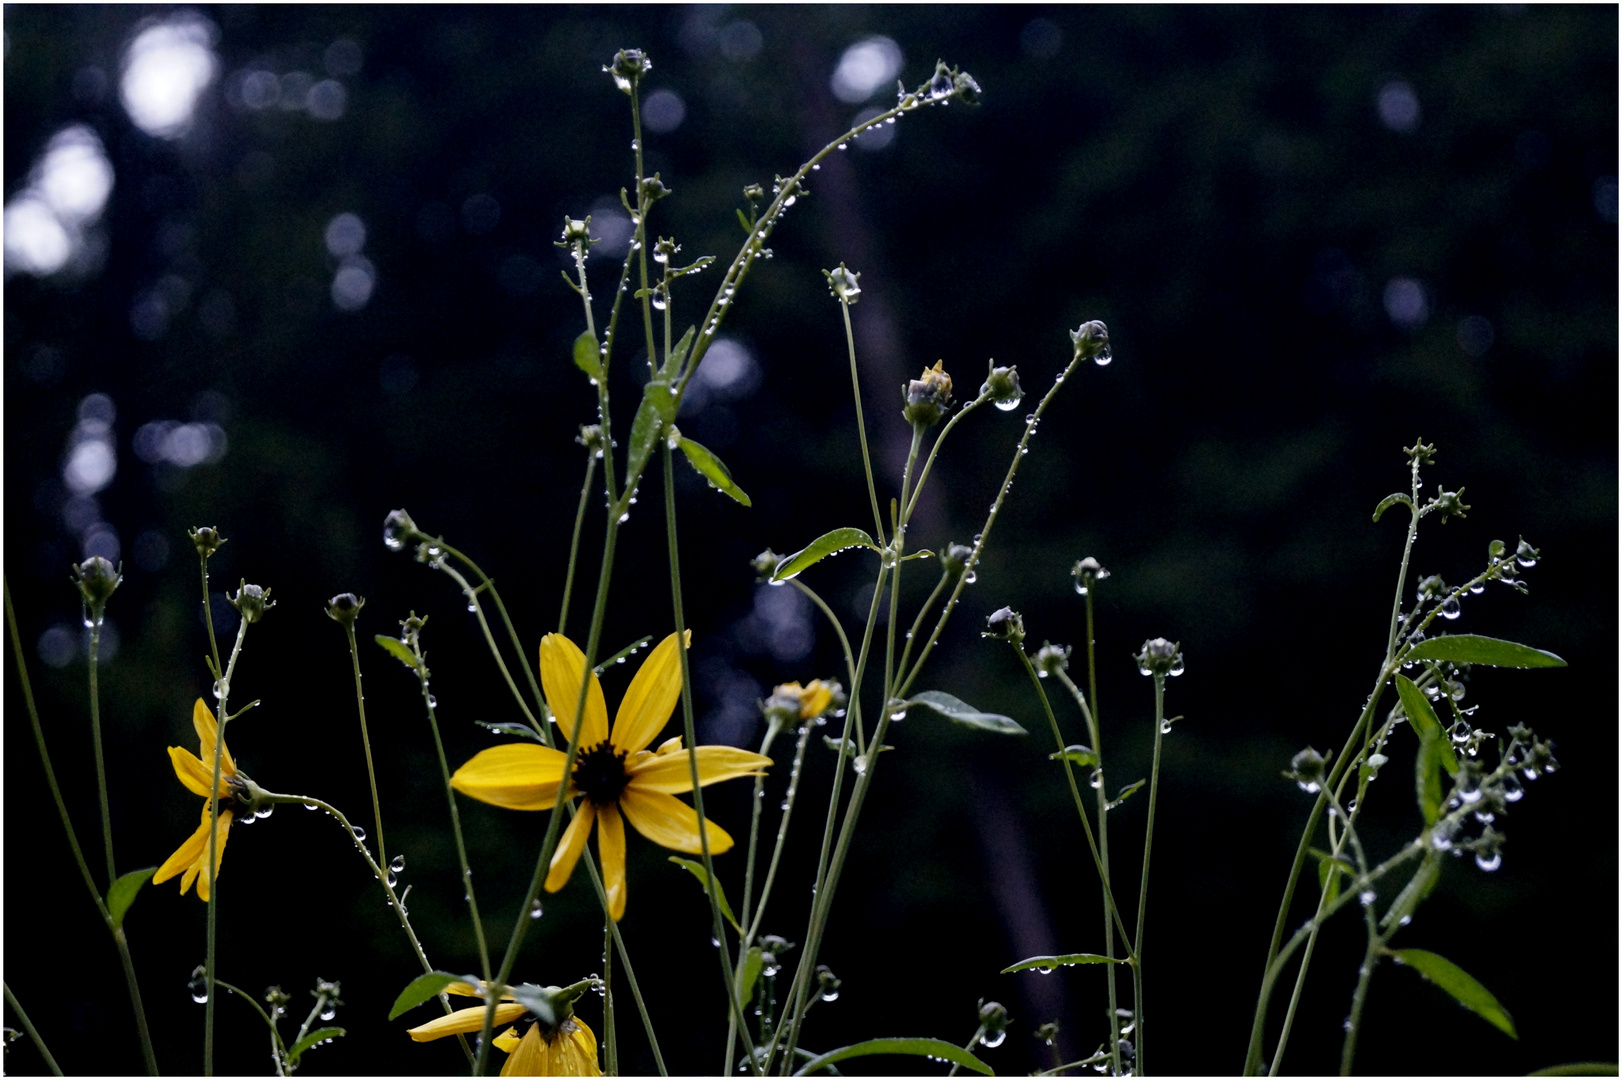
{"x":561,"y":757}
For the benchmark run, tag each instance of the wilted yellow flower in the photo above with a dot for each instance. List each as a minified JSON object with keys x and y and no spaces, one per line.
{"x":568,"y":1048}
{"x":613,"y":770}
{"x":197,"y":773}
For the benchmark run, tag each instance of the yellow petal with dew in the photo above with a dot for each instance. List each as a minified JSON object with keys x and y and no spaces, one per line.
{"x":562,"y":664}
{"x":463,"y":1022}
{"x":518,"y":776}
{"x":530,"y":1058}
{"x":574,"y":1053}
{"x":192,"y":772}
{"x":570,"y":846}
{"x":611,"y":844}
{"x":207,"y":731}
{"x":507,"y":1041}
{"x":651,"y":697}
{"x":669,"y":822}
{"x":673,"y":775}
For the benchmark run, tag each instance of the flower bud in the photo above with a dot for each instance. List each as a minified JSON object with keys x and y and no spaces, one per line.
{"x":1432,"y":587}
{"x":1087,"y":572}
{"x":1005,"y":624}
{"x":1159,"y":657}
{"x":827,"y":983}
{"x":955,"y":558}
{"x":1052,"y":659}
{"x":96,"y":579}
{"x":1091,"y":340}
{"x":765,"y":564}
{"x":1450,"y":503}
{"x":1495,"y":550}
{"x":994,"y":1019}
{"x":576,"y":234}
{"x":928,"y":397}
{"x":754,"y":193}
{"x":1307,"y":770}
{"x":842,"y":283}
{"x":653,"y":189}
{"x":207,"y":540}
{"x":251,"y":601}
{"x":1002,"y":387}
{"x":399,"y":530}
{"x":344,"y":607}
{"x":968,"y":91}
{"x":628,"y":68}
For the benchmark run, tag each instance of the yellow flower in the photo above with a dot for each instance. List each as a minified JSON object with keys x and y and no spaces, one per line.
{"x":620,"y":778}
{"x":196,"y":773}
{"x":814,"y":699}
{"x":567,"y":1049}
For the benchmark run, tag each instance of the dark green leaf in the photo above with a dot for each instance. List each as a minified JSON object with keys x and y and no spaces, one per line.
{"x":587,"y":356}
{"x":1392,"y":500}
{"x":1077,"y":755}
{"x":1461,"y":984}
{"x":710,"y":886}
{"x":1475,"y":649}
{"x":122,"y":893}
{"x":1418,"y":709}
{"x":710,"y":467}
{"x":397,"y":649}
{"x":672,"y":366}
{"x":1419,"y":886}
{"x":646,"y":428}
{"x":1052,"y":963}
{"x":1428,"y":774}
{"x":963,"y":713}
{"x":753,"y":961}
{"x":820,"y":548}
{"x":425,"y":987}
{"x":314,"y":1038}
{"x":930,"y":1048}
{"x":512,"y":727}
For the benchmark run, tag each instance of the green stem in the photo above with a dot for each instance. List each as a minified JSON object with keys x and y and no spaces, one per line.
{"x":278,"y":1049}
{"x":366,"y":742}
{"x":968,"y":1047}
{"x":28,"y":1026}
{"x":861,"y":424}
{"x":574,"y":542}
{"x":222,"y":687}
{"x":477,"y":608}
{"x":611,"y":1052}
{"x":95,"y":741}
{"x":1143,"y":888}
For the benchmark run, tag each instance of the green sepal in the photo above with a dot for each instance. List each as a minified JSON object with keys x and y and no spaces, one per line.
{"x":696,"y":868}
{"x":123,"y":891}
{"x":710,"y":467}
{"x":314,"y":1038}
{"x":1077,"y":754}
{"x":1392,"y":500}
{"x":1053,"y":963}
{"x":1424,"y":719}
{"x":426,"y":987}
{"x":511,"y":727}
{"x":930,"y":1048}
{"x":588,"y":357}
{"x":753,"y":961}
{"x":397,"y":649}
{"x":961,"y":712}
{"x":1124,"y":794}
{"x":1419,"y":886}
{"x":820,"y":548}
{"x":1463,"y":986}
{"x":1475,"y":649}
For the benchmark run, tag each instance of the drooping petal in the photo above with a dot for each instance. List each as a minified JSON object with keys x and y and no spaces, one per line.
{"x":531,"y":1056}
{"x":185,"y":856}
{"x":570,"y":847}
{"x":207,"y":730}
{"x":518,"y":776}
{"x":463,"y":1022}
{"x":507,"y":1041}
{"x":562,"y":664}
{"x":669,"y":822}
{"x":574,"y":1053}
{"x":611,"y":843}
{"x":464,"y":989}
{"x":652,"y":695}
{"x":193,"y":773}
{"x":672,"y":774}
{"x":205,"y":881}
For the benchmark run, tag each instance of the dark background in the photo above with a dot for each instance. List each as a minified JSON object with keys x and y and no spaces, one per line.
{"x":1221,"y":186}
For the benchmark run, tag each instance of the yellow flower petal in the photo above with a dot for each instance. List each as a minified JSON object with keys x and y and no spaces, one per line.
{"x":207,"y":730}
{"x":562,"y":664}
{"x":570,"y":847}
{"x":206,"y":880}
{"x":530,"y":1058}
{"x":672,"y":775}
{"x":652,"y":695}
{"x":185,"y":855}
{"x":814,"y":699}
{"x":193,"y":773}
{"x":463,"y":1022}
{"x":518,"y":776}
{"x":611,"y":843}
{"x":669,"y":822}
{"x":507,"y":1041}
{"x":575,"y":1051}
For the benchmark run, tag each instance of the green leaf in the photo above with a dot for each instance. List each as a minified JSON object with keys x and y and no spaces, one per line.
{"x":963,"y":713}
{"x":537,"y":1001}
{"x":820,"y":548}
{"x":512,"y":727}
{"x":673,"y":363}
{"x":1475,"y":649}
{"x":710,"y":467}
{"x":1428,"y":774}
{"x":1459,"y":983}
{"x":1392,"y":500}
{"x":1077,"y":754}
{"x":425,"y":987}
{"x":710,"y":886}
{"x":623,"y":653}
{"x":1052,"y":963}
{"x":836,"y":745}
{"x":1418,"y":709}
{"x":647,"y":426}
{"x":753,"y":962}
{"x":1329,"y":878}
{"x":397,"y":649}
{"x":1124,"y":794}
{"x":747,"y":228}
{"x":122,"y":893}
{"x":930,"y":1048}
{"x":319,"y":1035}
{"x":1419,"y":886}
{"x":587,"y":356}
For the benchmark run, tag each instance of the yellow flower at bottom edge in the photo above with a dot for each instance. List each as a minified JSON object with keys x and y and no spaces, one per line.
{"x":567,"y":1049}
{"x":196,"y":773}
{"x":620,"y":778}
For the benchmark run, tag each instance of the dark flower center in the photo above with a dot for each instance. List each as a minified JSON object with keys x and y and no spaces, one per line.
{"x":599,"y":773}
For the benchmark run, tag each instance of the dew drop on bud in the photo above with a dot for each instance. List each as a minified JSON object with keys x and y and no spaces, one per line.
{"x":535,"y":911}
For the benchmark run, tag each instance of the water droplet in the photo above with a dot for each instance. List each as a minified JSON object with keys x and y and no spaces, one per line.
{"x":1511,"y":788}
{"x":393,"y":879}
{"x":1104,"y":357}
{"x":199,"y":989}
{"x":1165,"y":727}
{"x":1096,"y":779}
{"x":311,"y":806}
{"x":329,"y":1012}
{"x":1450,"y":608}
{"x":398,"y":864}
{"x":264,"y":811}
{"x":1478,"y":588}
{"x":360,"y":833}
{"x":1488,"y":862}
{"x":993,"y":1039}
{"x":1008,"y":406}
{"x":535,"y":911}
{"x":1308,"y":786}
{"x":970,"y":578}
{"x":830,"y":995}
{"x":1366,"y":897}
{"x":221,"y":688}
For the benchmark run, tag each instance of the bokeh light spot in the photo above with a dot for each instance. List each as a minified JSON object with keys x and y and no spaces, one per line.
{"x":1398,"y":106}
{"x":864,"y":68}
{"x":166,"y":68}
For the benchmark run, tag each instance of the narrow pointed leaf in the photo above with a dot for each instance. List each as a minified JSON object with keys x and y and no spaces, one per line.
{"x":1475,"y":649}
{"x":1418,"y":709}
{"x":710,"y":467}
{"x":709,"y":885}
{"x":1077,"y":754}
{"x":1329,"y":872}
{"x":753,"y":962}
{"x":674,"y":361}
{"x":123,"y":892}
{"x":1459,"y":983}
{"x":1053,"y":963}
{"x":397,"y":649}
{"x":1389,"y":501}
{"x":930,"y":1048}
{"x":424,"y":988}
{"x":1428,"y":774}
{"x":747,"y":228}
{"x":820,"y":548}
{"x":314,"y":1038}
{"x":963,"y":713}
{"x":1124,"y":794}
{"x":646,"y":428}
{"x":1419,"y":886}
{"x":513,"y":728}
{"x":587,"y":356}
{"x":623,"y":653}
